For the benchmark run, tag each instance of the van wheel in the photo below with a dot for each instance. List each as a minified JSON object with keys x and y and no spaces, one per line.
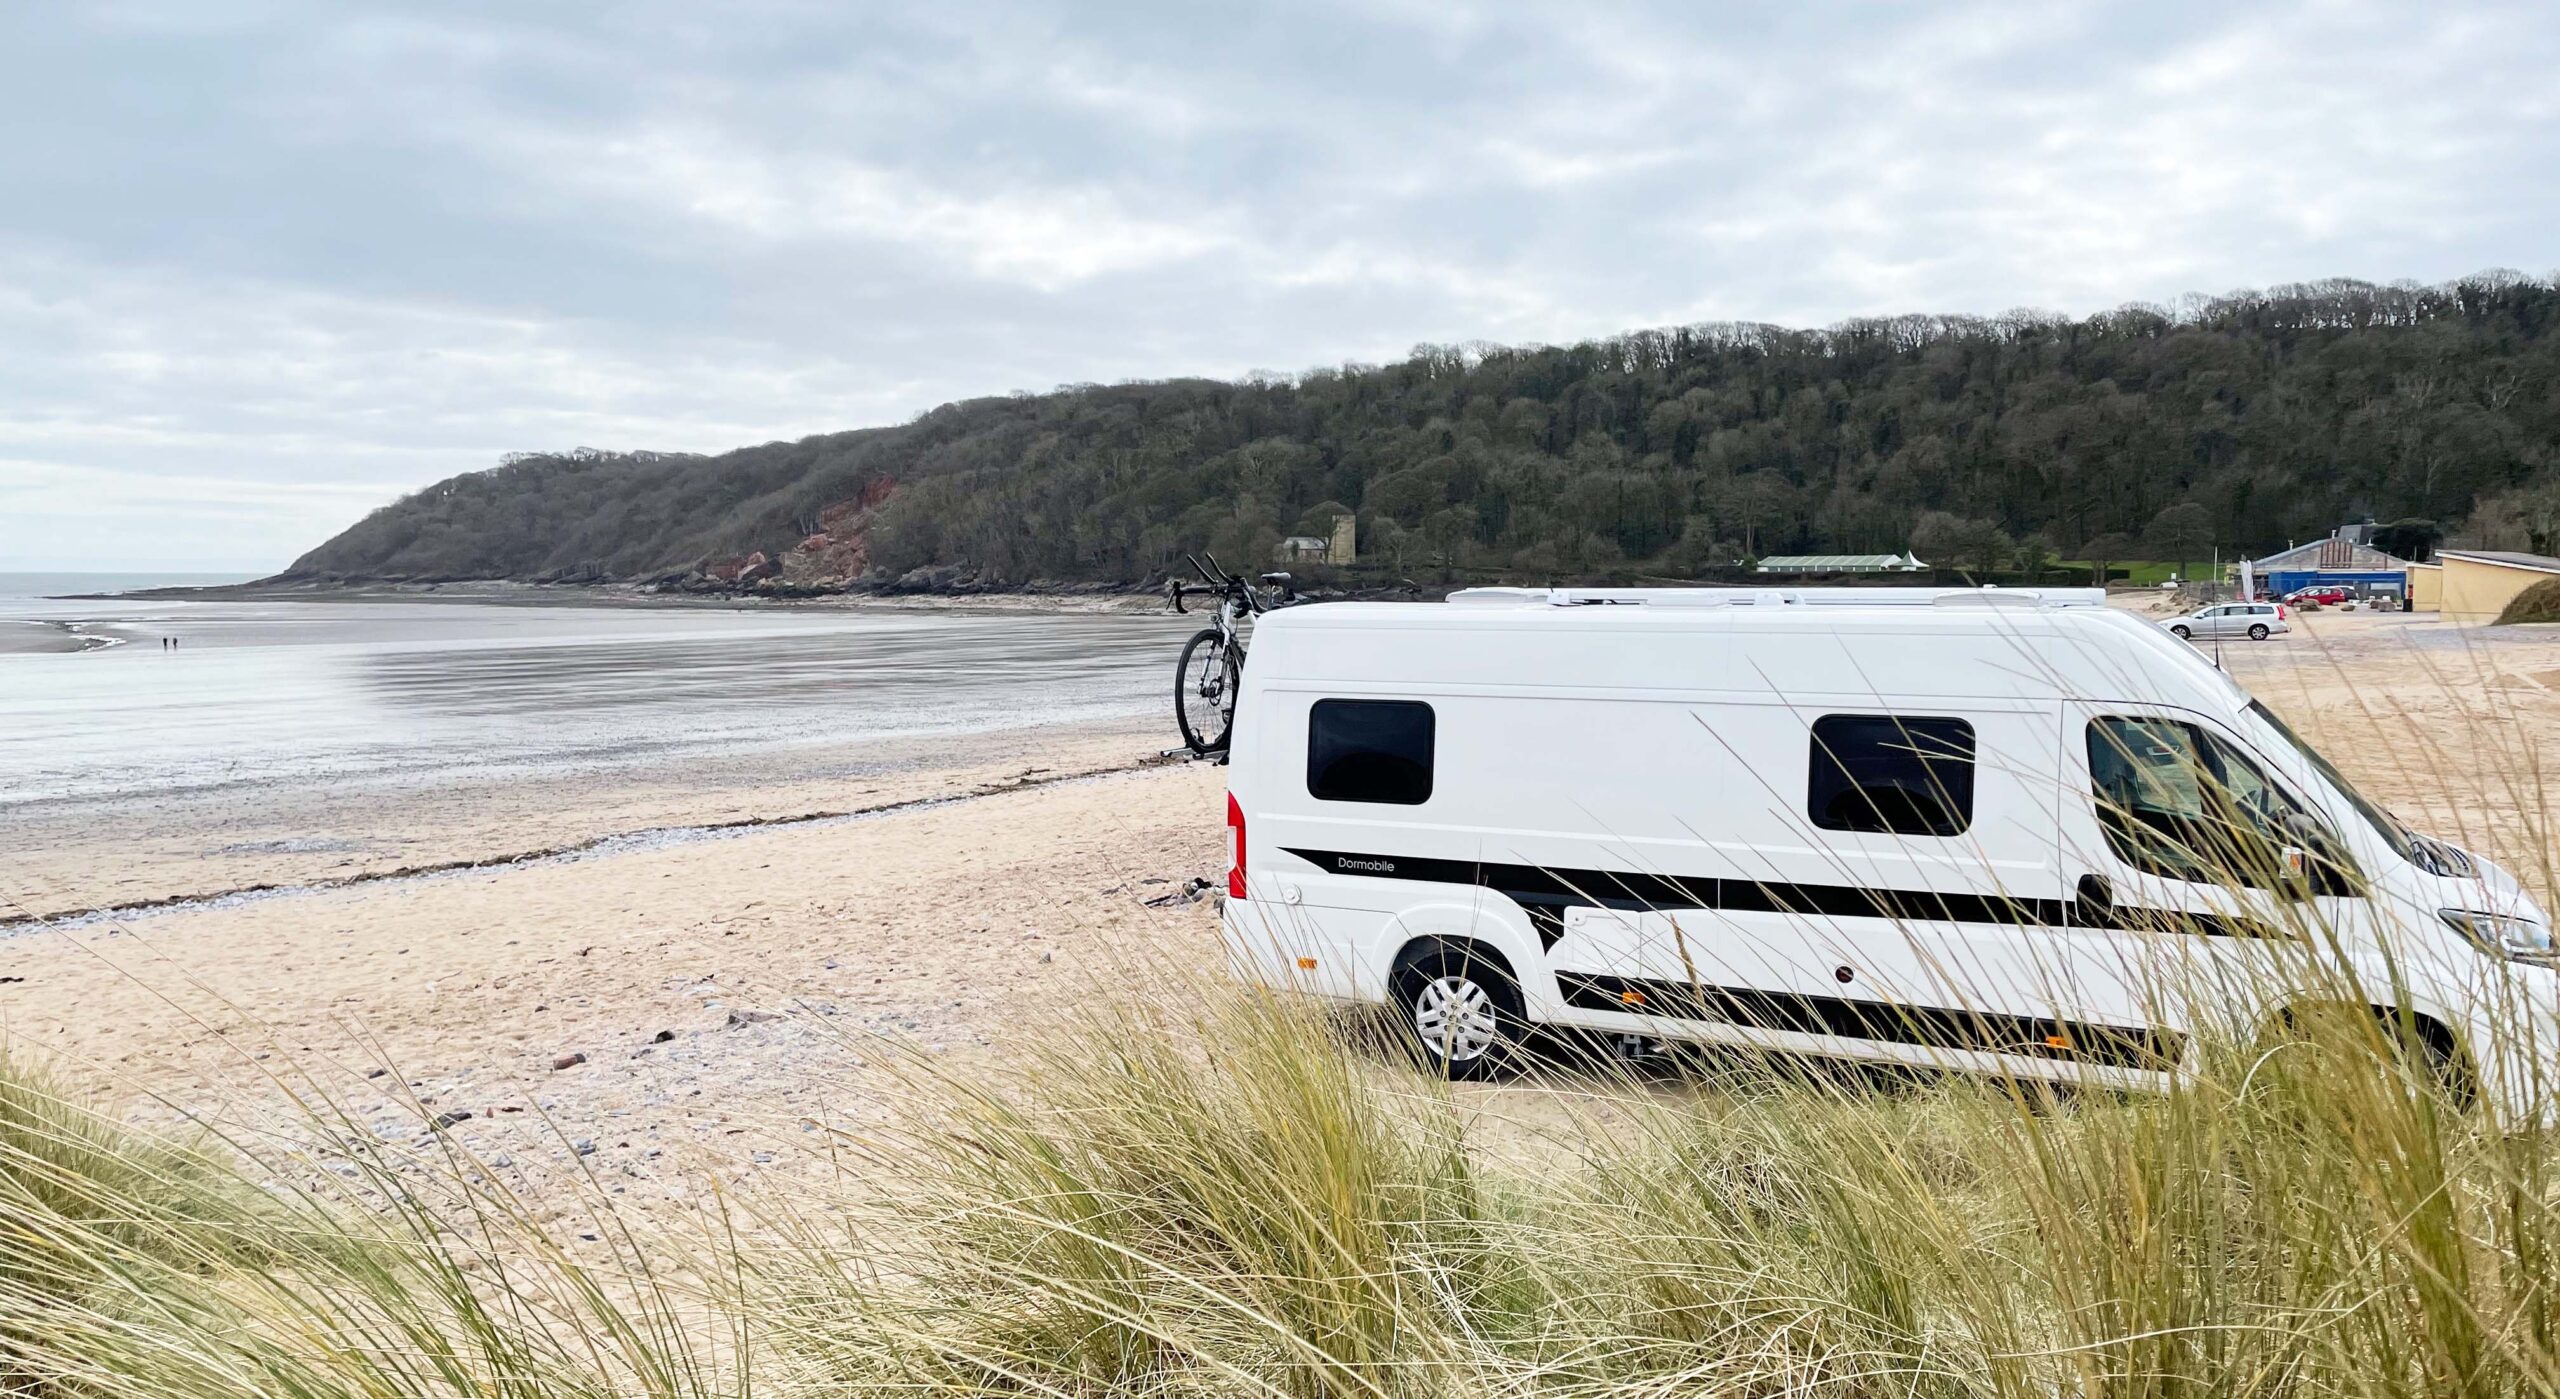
{"x":2182,"y":633}
{"x":1462,"y":1008}
{"x":2428,"y":1050}
{"x":2257,"y":631}
{"x":2419,"y":1045}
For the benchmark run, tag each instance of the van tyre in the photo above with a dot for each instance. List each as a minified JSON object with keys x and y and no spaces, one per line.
{"x":2431,"y":1055}
{"x":1462,"y":1008}
{"x":2257,"y":631}
{"x":2418,"y":1045}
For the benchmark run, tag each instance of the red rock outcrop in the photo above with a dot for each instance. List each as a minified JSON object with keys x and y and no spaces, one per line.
{"x":841,"y":549}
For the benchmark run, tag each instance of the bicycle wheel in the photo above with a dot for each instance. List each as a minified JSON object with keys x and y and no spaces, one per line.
{"x":1204,"y":691}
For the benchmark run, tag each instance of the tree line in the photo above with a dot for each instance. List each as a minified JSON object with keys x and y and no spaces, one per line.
{"x":2238,"y":423}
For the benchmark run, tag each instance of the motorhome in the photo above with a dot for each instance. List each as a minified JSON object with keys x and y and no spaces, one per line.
{"x":2015,"y":832}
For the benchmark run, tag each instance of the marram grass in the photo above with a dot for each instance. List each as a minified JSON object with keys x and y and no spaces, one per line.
{"x":1184,"y":1187}
{"x":1195,"y":1189}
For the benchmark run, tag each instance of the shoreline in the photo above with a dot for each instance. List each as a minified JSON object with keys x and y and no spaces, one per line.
{"x":1037,"y":597}
{"x":1097,"y":598}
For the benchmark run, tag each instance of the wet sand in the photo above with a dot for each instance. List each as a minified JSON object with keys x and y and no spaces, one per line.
{"x":284,"y":742}
{"x":25,"y":638}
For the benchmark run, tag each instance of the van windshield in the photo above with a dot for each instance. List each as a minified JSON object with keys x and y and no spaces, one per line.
{"x":2395,"y":835}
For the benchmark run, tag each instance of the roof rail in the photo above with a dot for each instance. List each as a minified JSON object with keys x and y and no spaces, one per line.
{"x":1624,"y":597}
{"x":2022,"y":597}
{"x":1779,"y":597}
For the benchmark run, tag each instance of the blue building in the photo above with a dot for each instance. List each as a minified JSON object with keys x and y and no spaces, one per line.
{"x":2344,"y":559}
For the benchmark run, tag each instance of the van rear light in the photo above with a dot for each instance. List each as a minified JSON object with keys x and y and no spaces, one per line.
{"x":1235,"y":833}
{"x":2280,"y":613}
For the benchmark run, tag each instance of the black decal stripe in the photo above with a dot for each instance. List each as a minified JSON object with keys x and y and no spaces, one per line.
{"x":2170,"y":920}
{"x":2105,"y":1045}
{"x":1546,"y":892}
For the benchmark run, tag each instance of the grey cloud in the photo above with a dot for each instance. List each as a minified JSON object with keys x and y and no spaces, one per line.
{"x":299,"y":256}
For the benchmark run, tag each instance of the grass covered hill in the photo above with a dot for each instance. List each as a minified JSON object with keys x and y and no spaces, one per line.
{"x":2240,"y":422}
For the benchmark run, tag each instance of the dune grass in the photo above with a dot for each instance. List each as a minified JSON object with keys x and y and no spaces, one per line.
{"x":1197,"y":1188}
{"x":1232,"y":1200}
{"x":2539,"y":603}
{"x":132,"y":1265}
{"x":1181,"y":1186}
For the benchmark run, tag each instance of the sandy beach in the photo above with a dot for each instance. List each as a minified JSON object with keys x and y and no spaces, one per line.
{"x":720,"y":991}
{"x":723,"y":989}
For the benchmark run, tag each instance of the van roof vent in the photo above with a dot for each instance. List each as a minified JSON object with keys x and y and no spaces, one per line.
{"x":1623,"y":597}
{"x":2030,"y":598}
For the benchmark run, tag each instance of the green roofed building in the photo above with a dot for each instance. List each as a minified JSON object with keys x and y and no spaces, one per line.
{"x":1842,"y":563}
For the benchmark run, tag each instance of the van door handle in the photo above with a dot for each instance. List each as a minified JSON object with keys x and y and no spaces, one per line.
{"x":2095,"y":904}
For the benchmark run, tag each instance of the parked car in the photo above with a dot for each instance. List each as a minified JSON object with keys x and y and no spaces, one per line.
{"x":2323,"y":595}
{"x":2254,"y":620}
{"x":1966,"y":829}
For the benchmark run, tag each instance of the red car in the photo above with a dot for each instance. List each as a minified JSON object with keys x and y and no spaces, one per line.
{"x":2325,"y":595}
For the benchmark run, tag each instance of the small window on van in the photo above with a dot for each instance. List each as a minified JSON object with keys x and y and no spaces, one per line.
{"x":1370,"y":751}
{"x":1902,"y":776}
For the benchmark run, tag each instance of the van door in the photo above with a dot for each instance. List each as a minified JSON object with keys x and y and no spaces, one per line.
{"x":2200,"y":882}
{"x":1879,"y":887}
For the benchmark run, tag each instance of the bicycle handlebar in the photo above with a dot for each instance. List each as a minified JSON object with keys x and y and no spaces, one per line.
{"x":1231,"y":585}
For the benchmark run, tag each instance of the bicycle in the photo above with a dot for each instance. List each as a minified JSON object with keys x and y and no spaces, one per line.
{"x":1207,"y":677}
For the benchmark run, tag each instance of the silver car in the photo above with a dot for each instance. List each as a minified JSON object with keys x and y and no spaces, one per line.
{"x":2254,"y":620}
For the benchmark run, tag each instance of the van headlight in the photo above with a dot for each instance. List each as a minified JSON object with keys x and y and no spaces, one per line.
{"x":2502,"y":933}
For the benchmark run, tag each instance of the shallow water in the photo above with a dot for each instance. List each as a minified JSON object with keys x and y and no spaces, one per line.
{"x":259,"y":692}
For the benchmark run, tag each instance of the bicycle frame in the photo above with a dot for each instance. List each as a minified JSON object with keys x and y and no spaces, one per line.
{"x":1238,"y":601}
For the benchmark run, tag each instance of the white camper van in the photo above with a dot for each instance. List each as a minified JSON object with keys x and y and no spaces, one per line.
{"x":2010,"y":832}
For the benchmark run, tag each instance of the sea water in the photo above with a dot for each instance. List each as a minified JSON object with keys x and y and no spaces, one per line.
{"x":179,"y":695}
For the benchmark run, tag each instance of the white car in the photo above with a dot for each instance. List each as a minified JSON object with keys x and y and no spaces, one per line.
{"x":2254,"y":620}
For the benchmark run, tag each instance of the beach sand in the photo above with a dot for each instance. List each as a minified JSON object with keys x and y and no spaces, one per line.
{"x":948,"y":927}
{"x":938,"y":925}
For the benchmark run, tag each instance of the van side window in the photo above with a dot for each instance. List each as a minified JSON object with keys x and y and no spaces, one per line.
{"x":2175,"y":800}
{"x":1370,"y":751}
{"x":1903,"y":776}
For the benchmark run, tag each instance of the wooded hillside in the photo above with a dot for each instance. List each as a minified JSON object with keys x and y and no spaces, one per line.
{"x":2241,"y":422}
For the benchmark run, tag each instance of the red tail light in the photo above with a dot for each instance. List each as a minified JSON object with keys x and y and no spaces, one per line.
{"x":2280,"y":612}
{"x":1235,"y":832}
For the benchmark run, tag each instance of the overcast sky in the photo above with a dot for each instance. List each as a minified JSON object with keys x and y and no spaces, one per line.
{"x":264,"y":266}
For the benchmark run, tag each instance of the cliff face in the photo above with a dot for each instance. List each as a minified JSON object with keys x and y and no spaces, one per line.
{"x":742,"y":518}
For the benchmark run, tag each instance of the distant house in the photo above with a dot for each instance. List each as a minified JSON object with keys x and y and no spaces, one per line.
{"x":1843,"y":563}
{"x":2343,"y":559}
{"x":2475,"y":585}
{"x":1341,"y":547}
